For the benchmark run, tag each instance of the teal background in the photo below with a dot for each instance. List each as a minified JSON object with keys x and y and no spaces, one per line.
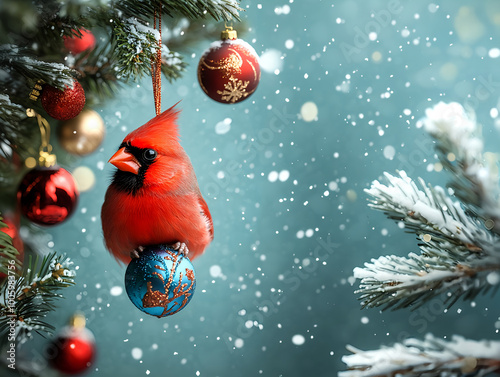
{"x":282,"y":259}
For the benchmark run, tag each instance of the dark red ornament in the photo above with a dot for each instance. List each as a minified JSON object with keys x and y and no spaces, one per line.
{"x":73,"y":350}
{"x":47,"y":196}
{"x":63,"y":104}
{"x":76,"y":45}
{"x":229,"y":71}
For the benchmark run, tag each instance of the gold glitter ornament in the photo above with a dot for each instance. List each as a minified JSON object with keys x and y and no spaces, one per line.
{"x":83,"y":134}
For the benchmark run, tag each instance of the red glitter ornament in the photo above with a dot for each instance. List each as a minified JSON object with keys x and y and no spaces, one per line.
{"x":76,"y":45}
{"x":73,"y":350}
{"x":229,"y":71}
{"x":63,"y":104}
{"x":47,"y":195}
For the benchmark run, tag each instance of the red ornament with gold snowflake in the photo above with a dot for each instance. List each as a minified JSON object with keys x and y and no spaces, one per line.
{"x":229,"y":70}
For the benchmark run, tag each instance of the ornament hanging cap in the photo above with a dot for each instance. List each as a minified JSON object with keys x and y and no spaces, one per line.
{"x":229,"y":33}
{"x":77,"y":321}
{"x":37,"y":89}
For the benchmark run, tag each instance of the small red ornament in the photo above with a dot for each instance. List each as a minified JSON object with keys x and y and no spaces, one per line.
{"x":73,"y":350}
{"x":63,"y":104}
{"x":47,"y":195}
{"x":229,"y":71}
{"x":76,"y":45}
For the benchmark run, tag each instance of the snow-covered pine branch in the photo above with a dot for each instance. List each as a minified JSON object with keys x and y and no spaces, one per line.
{"x":458,"y":255}
{"x":135,"y":46}
{"x":9,"y":110}
{"x":225,"y":10}
{"x":36,"y":292}
{"x":172,"y":63}
{"x":427,"y":210}
{"x":460,"y":146}
{"x":16,"y":62}
{"x":430,"y":357}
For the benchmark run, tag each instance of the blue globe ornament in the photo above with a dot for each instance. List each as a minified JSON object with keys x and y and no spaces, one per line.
{"x":161,"y":282}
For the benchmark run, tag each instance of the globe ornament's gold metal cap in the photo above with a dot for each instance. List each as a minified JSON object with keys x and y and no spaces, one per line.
{"x":77,"y":321}
{"x":229,"y":33}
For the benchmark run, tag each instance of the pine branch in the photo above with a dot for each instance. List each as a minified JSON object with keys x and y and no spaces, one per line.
{"x":460,"y":150}
{"x":397,"y":282}
{"x":135,"y":47}
{"x":430,"y":357}
{"x":172,"y":64}
{"x":457,"y":254}
{"x":427,"y":210}
{"x":34,"y":294}
{"x":225,"y":10}
{"x":11,"y":114}
{"x":14,"y":58}
{"x":98,"y":74}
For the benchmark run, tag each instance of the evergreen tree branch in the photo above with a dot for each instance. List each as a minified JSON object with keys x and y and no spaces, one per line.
{"x":135,"y":46}
{"x":14,"y":58}
{"x":225,"y":10}
{"x":428,"y":210}
{"x":11,"y":114}
{"x":430,"y":357}
{"x":460,"y":150}
{"x":457,"y":254}
{"x":32,"y":295}
{"x":398,"y":282}
{"x":97,"y":74}
{"x":172,"y":64}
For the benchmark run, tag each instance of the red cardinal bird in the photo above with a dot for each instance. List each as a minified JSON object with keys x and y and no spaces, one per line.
{"x":154,"y":197}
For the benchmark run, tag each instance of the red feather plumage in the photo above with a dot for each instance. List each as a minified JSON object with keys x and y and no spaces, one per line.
{"x":168,"y":206}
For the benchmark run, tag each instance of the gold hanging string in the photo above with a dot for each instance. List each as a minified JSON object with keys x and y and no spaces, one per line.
{"x":46,"y":158}
{"x":156,"y":63}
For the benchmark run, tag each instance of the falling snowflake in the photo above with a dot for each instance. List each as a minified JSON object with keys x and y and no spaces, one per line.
{"x":234,"y":90}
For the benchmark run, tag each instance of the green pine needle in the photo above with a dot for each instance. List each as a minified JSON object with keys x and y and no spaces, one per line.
{"x":34,"y":294}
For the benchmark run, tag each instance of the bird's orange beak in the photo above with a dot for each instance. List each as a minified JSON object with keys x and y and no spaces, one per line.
{"x":125,"y":161}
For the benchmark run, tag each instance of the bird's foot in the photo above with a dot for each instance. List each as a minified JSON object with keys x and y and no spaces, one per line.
{"x":181,"y":247}
{"x":136,"y":253}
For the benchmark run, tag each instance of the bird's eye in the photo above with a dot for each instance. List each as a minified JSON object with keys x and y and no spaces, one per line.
{"x":149,"y":154}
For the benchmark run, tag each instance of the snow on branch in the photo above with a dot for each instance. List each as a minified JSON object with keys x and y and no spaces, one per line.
{"x":427,"y":210}
{"x":225,"y":10}
{"x":8,"y":109}
{"x":458,"y":255}
{"x":430,"y":357}
{"x":460,"y":146}
{"x":35,"y":294}
{"x":397,"y":282}
{"x":14,"y":58}
{"x":135,"y":46}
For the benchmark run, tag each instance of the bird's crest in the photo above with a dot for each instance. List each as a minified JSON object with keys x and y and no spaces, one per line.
{"x":159,"y":133}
